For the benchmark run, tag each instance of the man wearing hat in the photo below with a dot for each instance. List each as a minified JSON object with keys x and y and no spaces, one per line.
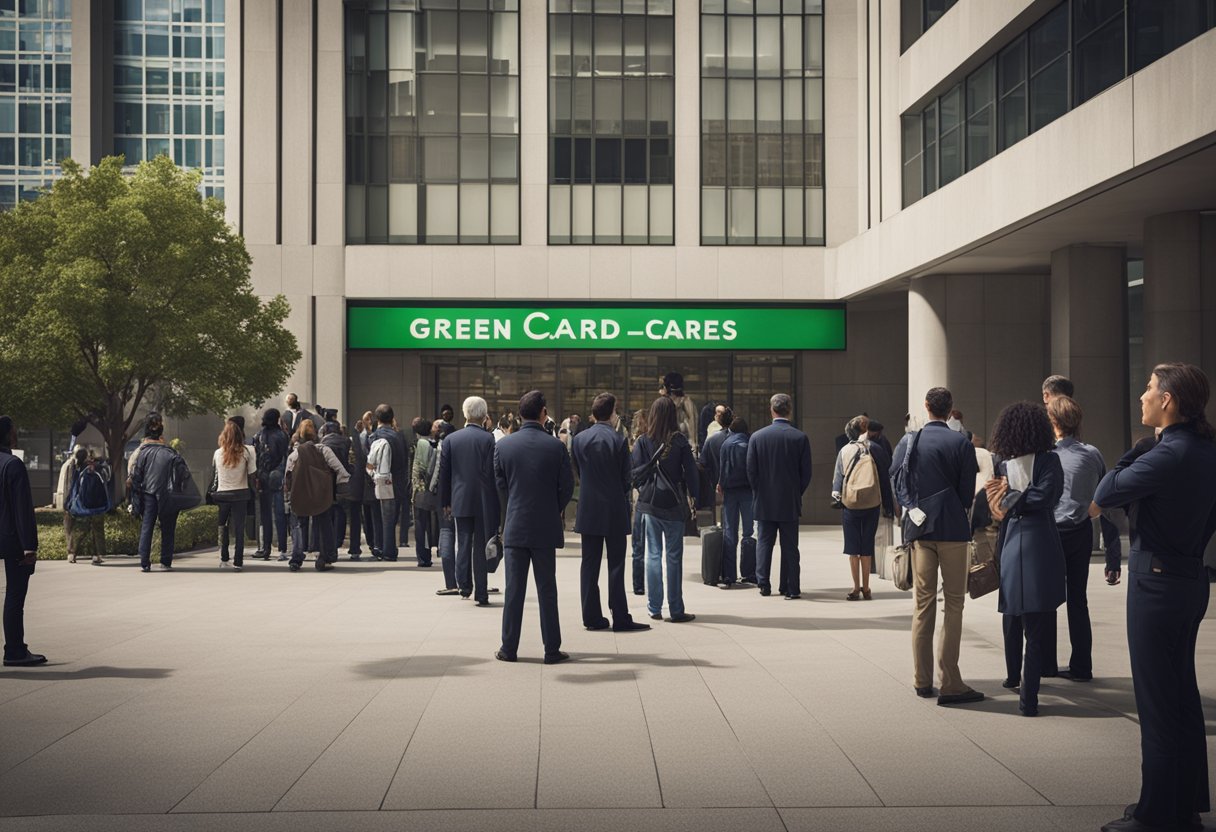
{"x":672,"y":385}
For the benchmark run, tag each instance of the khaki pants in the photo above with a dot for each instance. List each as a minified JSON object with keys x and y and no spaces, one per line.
{"x":928,"y":556}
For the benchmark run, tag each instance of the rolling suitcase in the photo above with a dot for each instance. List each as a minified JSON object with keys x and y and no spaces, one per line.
{"x":747,"y":559}
{"x":711,"y":553}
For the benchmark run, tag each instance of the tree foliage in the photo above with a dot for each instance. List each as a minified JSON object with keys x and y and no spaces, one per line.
{"x":125,"y":292}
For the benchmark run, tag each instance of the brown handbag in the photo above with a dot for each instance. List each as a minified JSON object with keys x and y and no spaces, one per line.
{"x":983,"y":575}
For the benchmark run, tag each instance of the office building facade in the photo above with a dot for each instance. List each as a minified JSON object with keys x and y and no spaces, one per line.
{"x":974,"y":193}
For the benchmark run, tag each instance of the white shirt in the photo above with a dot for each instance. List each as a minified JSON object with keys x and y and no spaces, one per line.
{"x":236,"y":477}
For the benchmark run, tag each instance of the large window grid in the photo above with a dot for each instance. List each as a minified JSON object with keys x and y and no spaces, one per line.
{"x":916,"y":16}
{"x":1075,"y":51}
{"x":432,"y":122}
{"x":762,"y":173}
{"x":169,"y":84}
{"x":611,"y":122}
{"x":35,"y":95}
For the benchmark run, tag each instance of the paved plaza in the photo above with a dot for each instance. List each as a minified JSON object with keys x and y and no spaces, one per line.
{"x":358,"y":700}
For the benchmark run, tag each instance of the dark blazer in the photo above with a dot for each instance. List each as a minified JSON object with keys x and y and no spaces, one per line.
{"x":1171,"y":485}
{"x":532,"y":469}
{"x":711,"y":455}
{"x":1032,"y":560}
{"x":18,"y":531}
{"x":601,"y":459}
{"x":945,"y":469}
{"x":360,"y":485}
{"x":779,"y":471}
{"x":399,"y":465}
{"x":466,"y":475}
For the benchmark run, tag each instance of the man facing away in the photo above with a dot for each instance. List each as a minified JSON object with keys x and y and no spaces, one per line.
{"x":468,"y":495}
{"x":399,"y":473}
{"x":533,"y":468}
{"x":18,"y":547}
{"x":778,"y":471}
{"x":601,"y":460}
{"x":944,"y":469}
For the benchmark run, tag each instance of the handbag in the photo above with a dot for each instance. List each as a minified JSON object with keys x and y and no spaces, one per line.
{"x":901,"y":566}
{"x":983,"y":575}
{"x":493,"y":553}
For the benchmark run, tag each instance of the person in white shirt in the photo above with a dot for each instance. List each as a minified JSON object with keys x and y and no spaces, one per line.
{"x":235,"y":462}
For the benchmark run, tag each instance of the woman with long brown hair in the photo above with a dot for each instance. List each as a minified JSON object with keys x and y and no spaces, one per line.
{"x":669,"y":482}
{"x":235,"y":463}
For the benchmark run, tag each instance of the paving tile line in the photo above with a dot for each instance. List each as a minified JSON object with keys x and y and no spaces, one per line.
{"x":795,"y":699}
{"x":830,"y":635}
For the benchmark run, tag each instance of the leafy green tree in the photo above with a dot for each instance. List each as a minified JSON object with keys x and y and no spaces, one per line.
{"x":124,"y":292}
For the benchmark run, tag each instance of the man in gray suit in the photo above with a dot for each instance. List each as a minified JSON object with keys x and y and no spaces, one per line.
{"x":533,"y":469}
{"x":468,"y":495}
{"x":779,"y":471}
{"x":601,"y":458}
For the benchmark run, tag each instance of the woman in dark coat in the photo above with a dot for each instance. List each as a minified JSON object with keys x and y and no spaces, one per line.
{"x":1023,"y":497}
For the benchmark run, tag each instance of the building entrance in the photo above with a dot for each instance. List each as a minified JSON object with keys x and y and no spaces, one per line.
{"x":571,"y":380}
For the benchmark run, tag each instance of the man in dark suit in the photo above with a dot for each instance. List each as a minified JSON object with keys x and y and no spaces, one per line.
{"x":779,"y":471}
{"x":18,"y":547}
{"x":467,"y":494}
{"x":533,"y":469}
{"x":943,"y":469}
{"x":711,"y":448}
{"x":399,"y":471}
{"x":601,"y":459}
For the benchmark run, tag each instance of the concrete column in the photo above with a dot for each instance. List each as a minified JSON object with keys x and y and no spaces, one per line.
{"x":234,"y":65}
{"x":1089,"y":338}
{"x":533,"y":124}
{"x":1207,"y":289}
{"x":330,"y":349}
{"x":260,"y":125}
{"x":1173,"y":307}
{"x":688,"y":125}
{"x":87,"y":86}
{"x":928,"y":357}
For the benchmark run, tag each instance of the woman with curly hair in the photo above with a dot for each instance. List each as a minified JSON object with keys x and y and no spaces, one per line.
{"x":1023,"y":498}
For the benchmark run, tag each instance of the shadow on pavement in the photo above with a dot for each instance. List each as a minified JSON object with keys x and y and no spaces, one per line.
{"x":99,"y":672}
{"x":417,"y":667}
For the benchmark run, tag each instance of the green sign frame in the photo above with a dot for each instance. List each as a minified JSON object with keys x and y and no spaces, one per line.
{"x":482,"y":325}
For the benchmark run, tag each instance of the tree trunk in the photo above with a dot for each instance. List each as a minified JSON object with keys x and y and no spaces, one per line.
{"x":116,"y":442}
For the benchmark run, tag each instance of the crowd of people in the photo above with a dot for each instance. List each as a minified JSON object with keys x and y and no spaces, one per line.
{"x":498,"y":489}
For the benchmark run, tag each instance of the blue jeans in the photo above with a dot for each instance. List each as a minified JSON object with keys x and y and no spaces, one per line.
{"x":659,"y":532}
{"x":152,"y":512}
{"x":447,"y":552}
{"x":639,"y":552}
{"x":736,"y":503}
{"x":390,"y":512}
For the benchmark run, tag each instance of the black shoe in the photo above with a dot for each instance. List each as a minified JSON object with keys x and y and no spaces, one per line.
{"x":294,"y":567}
{"x":166,"y":567}
{"x":602,"y":624}
{"x":793,"y":596}
{"x":283,"y":556}
{"x":356,"y":557}
{"x":766,"y":591}
{"x":725,"y":584}
{"x":639,"y":592}
{"x":503,"y":657}
{"x":557,"y":658}
{"x":1050,"y":674}
{"x":1076,"y":677}
{"x":28,"y":660}
{"x":145,"y":569}
{"x":447,"y":591}
{"x":324,"y":567}
{"x":960,"y":698}
{"x":483,"y":603}
{"x":493,"y":589}
{"x":657,"y":617}
{"x":681,"y":618}
{"x":1129,"y":812}
{"x":630,"y":627}
{"x":387,"y":560}
{"x":1133,"y":825}
{"x":1028,"y":710}
{"x":925,"y":693}
{"x":1011,"y":684}
{"x":751,"y":580}
{"x":425,"y":565}
{"x":260,"y":555}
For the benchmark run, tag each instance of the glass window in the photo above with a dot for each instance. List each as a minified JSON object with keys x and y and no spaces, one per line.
{"x":1098,"y":60}
{"x":1157,"y":27}
{"x":1049,"y":94}
{"x":1049,"y":38}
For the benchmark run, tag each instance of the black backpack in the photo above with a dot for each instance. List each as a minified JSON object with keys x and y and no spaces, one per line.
{"x":90,"y":496}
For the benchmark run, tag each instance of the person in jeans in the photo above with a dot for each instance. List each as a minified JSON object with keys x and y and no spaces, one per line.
{"x":390,"y":509}
{"x":1023,"y":497}
{"x":235,"y":463}
{"x":18,"y":547}
{"x":736,"y":502}
{"x":446,"y":535}
{"x":944,"y":467}
{"x":270,"y":452}
{"x":779,"y":471}
{"x":149,"y":484}
{"x":663,"y":510}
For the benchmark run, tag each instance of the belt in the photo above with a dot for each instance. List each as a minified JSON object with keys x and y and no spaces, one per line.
{"x":1146,"y":563}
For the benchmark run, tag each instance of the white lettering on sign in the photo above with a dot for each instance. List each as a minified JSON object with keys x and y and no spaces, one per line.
{"x":419,"y":328}
{"x":728,"y":331}
{"x":609,"y":329}
{"x":502,"y":329}
{"x":535,"y":316}
{"x":652,"y":330}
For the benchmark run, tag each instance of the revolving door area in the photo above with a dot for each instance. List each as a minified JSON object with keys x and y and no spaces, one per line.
{"x":572,"y":379}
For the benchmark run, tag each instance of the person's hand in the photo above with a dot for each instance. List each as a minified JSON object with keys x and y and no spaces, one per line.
{"x":29,"y":559}
{"x":836,"y":496}
{"x":447,"y":512}
{"x":996,"y":489}
{"x":719,"y":487}
{"x":1112,"y":576}
{"x":1094,"y":510}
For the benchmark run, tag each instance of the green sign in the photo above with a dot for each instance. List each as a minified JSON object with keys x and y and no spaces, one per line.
{"x":654,"y":327}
